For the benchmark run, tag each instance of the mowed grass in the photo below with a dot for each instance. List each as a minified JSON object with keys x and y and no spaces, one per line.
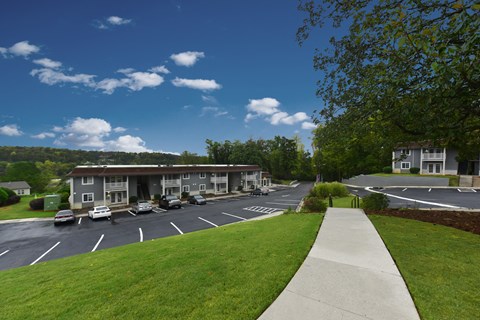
{"x":439,"y":264}
{"x":342,"y":202}
{"x":231,"y":272}
{"x":22,"y":210}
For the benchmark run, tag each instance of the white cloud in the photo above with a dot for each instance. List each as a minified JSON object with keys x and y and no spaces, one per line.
{"x":250,"y":116}
{"x":209,"y":99}
{"x":198,"y":84}
{"x":23,"y":48}
{"x":308,"y":126}
{"x":44,"y":135}
{"x":11,"y":130}
{"x":284,"y":118}
{"x":126,"y":70}
{"x":265,"y":106}
{"x":119,"y":129}
{"x":117,"y":21}
{"x":127,"y":143}
{"x":159,"y":69}
{"x":3,"y":51}
{"x":47,"y":63}
{"x":135,"y":81}
{"x":217,"y":112}
{"x":187,"y":59}
{"x":84,"y":133}
{"x":51,"y":77}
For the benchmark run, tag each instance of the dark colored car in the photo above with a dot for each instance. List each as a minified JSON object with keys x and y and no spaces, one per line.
{"x":197,"y":200}
{"x":169,"y":201}
{"x":260,"y":192}
{"x":64,"y":216}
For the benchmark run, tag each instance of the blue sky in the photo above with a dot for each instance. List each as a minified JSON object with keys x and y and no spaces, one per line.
{"x":153,"y":75}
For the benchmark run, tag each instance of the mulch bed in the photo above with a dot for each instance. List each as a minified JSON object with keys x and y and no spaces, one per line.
{"x":463,"y":220}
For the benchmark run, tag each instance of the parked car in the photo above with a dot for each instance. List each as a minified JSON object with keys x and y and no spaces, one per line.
{"x":265,"y":190}
{"x":99,"y":212}
{"x":169,"y":201}
{"x":64,"y":216}
{"x":141,"y":206}
{"x":197,"y":200}
{"x":259,"y":192}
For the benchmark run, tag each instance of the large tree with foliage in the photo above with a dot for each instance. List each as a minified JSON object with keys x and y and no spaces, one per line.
{"x":409,"y":66}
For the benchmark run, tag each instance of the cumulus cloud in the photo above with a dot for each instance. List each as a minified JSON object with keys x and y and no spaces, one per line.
{"x":44,"y":135}
{"x":22,"y":48}
{"x":198,"y":84}
{"x":3,"y":51}
{"x":84,"y":133}
{"x":187,"y":59}
{"x":159,"y":69}
{"x":308,"y":126}
{"x":127,"y":143}
{"x":11,"y":130}
{"x":119,"y":129}
{"x":134,"y":81}
{"x":284,"y":118}
{"x":47,"y":63}
{"x":110,"y":22}
{"x":51,"y":77}
{"x":265,"y":106}
{"x":269,"y":110}
{"x":118,"y":21}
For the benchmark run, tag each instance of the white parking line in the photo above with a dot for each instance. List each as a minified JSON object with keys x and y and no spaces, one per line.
{"x":413,"y":200}
{"x":80,"y":220}
{"x":98,"y":242}
{"x":429,"y":189}
{"x":288,"y":200}
{"x":159,"y":209}
{"x":285,"y":195}
{"x":43,"y":255}
{"x":404,"y":189}
{"x":474,"y":190}
{"x":4,"y":252}
{"x":176,"y":227}
{"x":231,"y":215}
{"x":459,"y":190}
{"x":141,"y":234}
{"x":213,"y":224}
{"x":131,"y":212}
{"x":282,"y":204}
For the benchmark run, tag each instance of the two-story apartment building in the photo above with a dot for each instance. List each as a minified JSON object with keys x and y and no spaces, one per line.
{"x":432,"y":160}
{"x":114,"y":184}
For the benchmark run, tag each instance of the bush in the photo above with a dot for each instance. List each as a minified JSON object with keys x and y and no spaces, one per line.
{"x":132,"y":199}
{"x":9,"y":192}
{"x":375,"y":201}
{"x":414,"y":170}
{"x":314,"y":204}
{"x":64,"y":197}
{"x":37,"y":204}
{"x":387,"y":169}
{"x":239,"y":188}
{"x":12,"y":200}
{"x":3,"y":197}
{"x":156,"y":197}
{"x":185,"y":194}
{"x":323,"y":190}
{"x":64,"y":206}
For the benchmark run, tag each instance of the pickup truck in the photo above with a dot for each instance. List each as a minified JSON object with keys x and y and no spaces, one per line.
{"x":169,"y":201}
{"x":141,"y":206}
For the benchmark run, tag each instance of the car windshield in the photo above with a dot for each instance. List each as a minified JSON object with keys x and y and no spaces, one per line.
{"x":171,"y":198}
{"x":198,"y":197}
{"x":142,"y":201}
{"x":64,"y":213}
{"x":101,"y":208}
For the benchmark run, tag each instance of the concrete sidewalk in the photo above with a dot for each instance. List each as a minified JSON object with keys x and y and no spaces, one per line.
{"x":348,"y":274}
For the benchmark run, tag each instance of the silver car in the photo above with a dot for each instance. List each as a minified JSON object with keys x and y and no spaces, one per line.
{"x":141,"y":206}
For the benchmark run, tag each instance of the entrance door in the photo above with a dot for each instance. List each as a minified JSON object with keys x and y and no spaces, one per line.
{"x":116,"y":197}
{"x":434,"y":168}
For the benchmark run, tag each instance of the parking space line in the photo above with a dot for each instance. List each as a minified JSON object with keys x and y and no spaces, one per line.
{"x":459,"y":190}
{"x":173,"y":224}
{"x":43,"y":255}
{"x":404,"y":189}
{"x":141,"y":234}
{"x":98,"y":242}
{"x":133,"y":214}
{"x":80,"y":220}
{"x":231,"y":215}
{"x":4,"y":252}
{"x":285,"y":195}
{"x":429,"y":189}
{"x":160,"y":209}
{"x":213,"y":224}
{"x":474,"y":190}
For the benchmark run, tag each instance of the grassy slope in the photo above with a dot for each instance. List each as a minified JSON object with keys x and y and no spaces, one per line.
{"x":439,"y":264}
{"x":231,"y":272}
{"x":22,"y":210}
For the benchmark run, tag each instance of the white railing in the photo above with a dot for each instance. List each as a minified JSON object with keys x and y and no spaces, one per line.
{"x":218,"y":179}
{"x":250,"y":177}
{"x":433,"y":156}
{"x":110,"y":186}
{"x":172,"y":183}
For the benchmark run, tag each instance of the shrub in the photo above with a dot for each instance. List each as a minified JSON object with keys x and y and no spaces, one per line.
{"x":9,"y":192}
{"x":64,"y":206}
{"x":132,"y":199}
{"x":314,"y":204}
{"x":64,"y":197}
{"x":375,"y":201}
{"x":338,"y":190}
{"x":414,"y":170}
{"x":239,"y":188}
{"x":323,"y":190}
{"x":387,"y":169}
{"x":157,"y":196}
{"x":37,"y":204}
{"x":3,"y":197}
{"x":185,"y":194}
{"x":12,"y":200}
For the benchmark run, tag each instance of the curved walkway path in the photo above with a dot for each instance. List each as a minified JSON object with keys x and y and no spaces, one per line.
{"x":348,"y":274}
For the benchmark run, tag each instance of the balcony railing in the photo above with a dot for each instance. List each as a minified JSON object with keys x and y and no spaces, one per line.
{"x":433,"y":156}
{"x":172,"y":183}
{"x":250,"y":177}
{"x":218,"y":179}
{"x":114,"y":186}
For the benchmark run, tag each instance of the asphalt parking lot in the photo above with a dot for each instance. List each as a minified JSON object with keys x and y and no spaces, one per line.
{"x":434,"y":198}
{"x":27,"y":243}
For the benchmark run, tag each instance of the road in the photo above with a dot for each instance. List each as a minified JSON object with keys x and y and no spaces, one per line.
{"x":26,"y":243}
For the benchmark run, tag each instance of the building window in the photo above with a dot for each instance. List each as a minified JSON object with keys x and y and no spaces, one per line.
{"x":87,"y":180}
{"x":405,"y":165}
{"x":186,"y":176}
{"x":202,"y":175}
{"x":202,"y":187}
{"x":186,"y":188}
{"x":87,"y":197}
{"x":405,"y":152}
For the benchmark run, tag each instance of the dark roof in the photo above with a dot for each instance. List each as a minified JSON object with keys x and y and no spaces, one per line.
{"x":266,"y":174}
{"x":15,"y":185}
{"x":101,"y":171}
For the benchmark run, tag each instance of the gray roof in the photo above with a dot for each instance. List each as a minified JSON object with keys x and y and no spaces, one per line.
{"x":15,"y":185}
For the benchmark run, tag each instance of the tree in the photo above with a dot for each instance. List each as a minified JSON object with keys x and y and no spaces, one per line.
{"x":409,"y":66}
{"x":191,"y":158}
{"x":26,"y":171}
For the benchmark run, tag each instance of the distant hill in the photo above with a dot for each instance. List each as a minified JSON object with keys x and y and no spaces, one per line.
{"x":79,"y":157}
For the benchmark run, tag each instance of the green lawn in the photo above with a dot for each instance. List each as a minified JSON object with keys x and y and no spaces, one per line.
{"x":22,"y":210}
{"x":343,"y":202}
{"x":231,"y":272}
{"x":452,"y":180}
{"x":439,"y":264}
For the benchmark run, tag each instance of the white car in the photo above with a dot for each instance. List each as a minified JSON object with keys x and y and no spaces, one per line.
{"x":99,"y":212}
